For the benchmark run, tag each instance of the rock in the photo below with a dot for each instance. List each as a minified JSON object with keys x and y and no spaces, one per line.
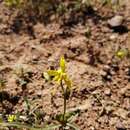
{"x":116,"y":21}
{"x":113,"y":120}
{"x":106,"y":68}
{"x":39,"y":93}
{"x":103,"y":73}
{"x":125,"y":91}
{"x":92,"y":128}
{"x":114,"y":2}
{"x":120,"y":112}
{"x":113,"y":37}
{"x":120,"y":126}
{"x":107,"y":92}
{"x":127,"y":94}
{"x":109,"y":109}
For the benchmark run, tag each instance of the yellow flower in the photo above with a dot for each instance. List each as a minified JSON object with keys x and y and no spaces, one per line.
{"x":60,"y":75}
{"x":11,"y":118}
{"x":122,"y":53}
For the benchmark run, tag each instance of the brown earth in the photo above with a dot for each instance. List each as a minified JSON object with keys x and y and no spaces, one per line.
{"x":101,"y":80}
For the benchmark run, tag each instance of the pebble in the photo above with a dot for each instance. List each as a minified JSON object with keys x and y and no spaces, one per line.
{"x":39,"y":93}
{"x":114,"y":2}
{"x":107,"y":92}
{"x":109,"y":109}
{"x":120,"y":126}
{"x":103,"y":73}
{"x":116,"y":21}
{"x":92,"y":128}
{"x":106,"y":68}
{"x":125,"y":91}
{"x":120,"y":112}
{"x":113,"y":120}
{"x":113,"y":37}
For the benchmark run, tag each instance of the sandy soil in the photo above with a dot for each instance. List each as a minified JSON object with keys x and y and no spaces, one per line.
{"x":101,"y":80}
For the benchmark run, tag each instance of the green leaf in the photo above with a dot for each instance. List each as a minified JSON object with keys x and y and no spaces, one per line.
{"x":74,"y":126}
{"x":71,"y":115}
{"x":49,"y":127}
{"x":63,"y":119}
{"x":60,"y":118}
{"x":1,"y":119}
{"x":27,"y":104}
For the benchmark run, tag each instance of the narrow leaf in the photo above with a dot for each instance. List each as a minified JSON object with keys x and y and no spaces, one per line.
{"x":51,"y":127}
{"x":74,"y":126}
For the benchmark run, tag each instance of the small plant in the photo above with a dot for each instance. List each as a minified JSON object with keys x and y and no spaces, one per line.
{"x":65,"y":121}
{"x":23,"y":76}
{"x":62,"y":79}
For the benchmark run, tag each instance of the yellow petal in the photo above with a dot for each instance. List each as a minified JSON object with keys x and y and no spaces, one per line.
{"x":11,"y":118}
{"x":62,"y":64}
{"x":57,"y":78}
{"x":67,"y":81}
{"x":46,"y":76}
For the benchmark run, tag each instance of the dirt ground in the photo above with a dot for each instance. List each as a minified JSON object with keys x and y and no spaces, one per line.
{"x":101,"y":80}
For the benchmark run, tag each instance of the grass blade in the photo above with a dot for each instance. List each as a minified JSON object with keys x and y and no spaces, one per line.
{"x":74,"y":126}
{"x":51,"y":127}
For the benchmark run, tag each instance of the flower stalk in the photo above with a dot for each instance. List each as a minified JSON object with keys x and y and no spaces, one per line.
{"x":60,"y":76}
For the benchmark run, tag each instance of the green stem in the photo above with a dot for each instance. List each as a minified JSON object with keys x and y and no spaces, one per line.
{"x":64,"y":106}
{"x":64,"y":94}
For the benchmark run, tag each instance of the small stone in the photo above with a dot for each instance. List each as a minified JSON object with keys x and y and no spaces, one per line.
{"x":109,"y":77}
{"x":113,"y":120}
{"x":122,"y":91}
{"x":120,"y":112}
{"x":31,"y":91}
{"x":39,"y":93}
{"x":113,"y":37}
{"x":112,"y":72}
{"x":107,"y":92}
{"x":106,"y":68}
{"x":109,"y":109}
{"x":116,"y":21}
{"x":125,"y":91}
{"x":103,"y":73}
{"x":92,"y":128}
{"x":114,"y":2}
{"x":120,"y":126}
